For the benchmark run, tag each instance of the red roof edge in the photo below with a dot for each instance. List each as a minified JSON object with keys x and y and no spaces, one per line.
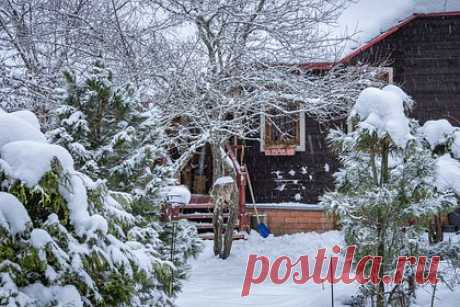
{"x":377,"y":39}
{"x":392,"y":30}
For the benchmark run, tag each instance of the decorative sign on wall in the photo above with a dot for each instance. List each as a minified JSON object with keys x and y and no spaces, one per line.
{"x":280,"y":151}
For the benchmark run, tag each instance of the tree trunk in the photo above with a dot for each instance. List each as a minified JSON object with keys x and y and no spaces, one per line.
{"x":217,"y":227}
{"x":381,"y":225}
{"x":217,"y":161}
{"x":225,"y":197}
{"x":384,"y":176}
{"x":381,"y":286}
{"x":436,"y":234}
{"x":228,"y":239}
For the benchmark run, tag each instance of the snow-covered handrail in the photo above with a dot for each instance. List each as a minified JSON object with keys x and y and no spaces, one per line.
{"x":232,"y":156}
{"x":241,"y":182}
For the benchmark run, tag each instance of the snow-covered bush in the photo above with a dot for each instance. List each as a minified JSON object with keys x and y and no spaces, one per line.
{"x":111,"y":135}
{"x":444,"y":140}
{"x":118,"y":140}
{"x":387,"y":190}
{"x":54,"y":249}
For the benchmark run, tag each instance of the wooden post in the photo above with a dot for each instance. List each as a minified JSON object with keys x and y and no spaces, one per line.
{"x":332,"y":283}
{"x":242,"y":201}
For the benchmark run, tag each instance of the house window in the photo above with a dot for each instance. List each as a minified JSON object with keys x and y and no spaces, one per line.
{"x":283,"y":134}
{"x":385,"y":74}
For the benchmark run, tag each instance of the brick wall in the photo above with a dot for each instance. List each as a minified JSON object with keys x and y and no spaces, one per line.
{"x":287,"y":221}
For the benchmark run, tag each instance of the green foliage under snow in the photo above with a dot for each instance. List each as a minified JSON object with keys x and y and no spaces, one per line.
{"x":386,"y":189}
{"x":91,"y":237}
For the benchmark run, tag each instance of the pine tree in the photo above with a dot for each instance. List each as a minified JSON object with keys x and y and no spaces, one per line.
{"x":386,"y":191}
{"x":113,"y":136}
{"x":54,"y":249}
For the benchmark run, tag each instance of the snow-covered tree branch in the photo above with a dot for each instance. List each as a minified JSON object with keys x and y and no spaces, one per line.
{"x":245,"y":58}
{"x":40,"y":39}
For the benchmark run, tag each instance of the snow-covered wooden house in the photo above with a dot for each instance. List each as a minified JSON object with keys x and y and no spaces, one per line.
{"x":423,"y":56}
{"x":422,"y":53}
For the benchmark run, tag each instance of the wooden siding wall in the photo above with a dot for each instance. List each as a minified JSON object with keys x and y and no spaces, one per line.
{"x":279,"y":179}
{"x":425,"y":55}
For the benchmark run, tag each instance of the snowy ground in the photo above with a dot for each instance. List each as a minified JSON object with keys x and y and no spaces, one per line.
{"x":218,"y":283}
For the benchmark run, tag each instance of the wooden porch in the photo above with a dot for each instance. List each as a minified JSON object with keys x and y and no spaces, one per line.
{"x":200,"y":209}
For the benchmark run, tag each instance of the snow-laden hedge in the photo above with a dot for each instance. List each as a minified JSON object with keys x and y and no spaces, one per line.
{"x":65,"y":240}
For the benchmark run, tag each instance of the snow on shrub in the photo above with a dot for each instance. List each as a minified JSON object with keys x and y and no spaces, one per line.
{"x":390,"y":185}
{"x":444,"y":139}
{"x":381,"y":111}
{"x":56,"y":247}
{"x":437,"y":132}
{"x":13,"y":217}
{"x":28,"y":161}
{"x":448,"y":174}
{"x":13,"y":128}
{"x":121,"y":144}
{"x":440,"y":133}
{"x":28,"y":117}
{"x":48,"y":296}
{"x":179,"y":194}
{"x":124,"y":146}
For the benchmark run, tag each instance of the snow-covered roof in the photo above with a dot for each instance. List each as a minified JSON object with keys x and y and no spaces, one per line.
{"x":389,"y":32}
{"x":367,"y":20}
{"x":371,"y":21}
{"x":371,"y":18}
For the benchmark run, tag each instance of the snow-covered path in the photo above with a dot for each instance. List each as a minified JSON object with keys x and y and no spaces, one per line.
{"x":218,"y":283}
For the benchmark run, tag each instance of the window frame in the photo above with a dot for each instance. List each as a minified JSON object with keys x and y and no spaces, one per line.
{"x":301,"y":138}
{"x":387,"y":70}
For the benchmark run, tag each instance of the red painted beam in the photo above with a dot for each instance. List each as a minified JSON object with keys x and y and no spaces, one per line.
{"x":241,"y":182}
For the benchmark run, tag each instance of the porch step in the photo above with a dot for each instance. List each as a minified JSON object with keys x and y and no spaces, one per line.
{"x":210,"y":236}
{"x":195,"y":206}
{"x":201,"y":226}
{"x":200,"y":199}
{"x":198,"y":216}
{"x":200,"y":212}
{"x":200,"y":208}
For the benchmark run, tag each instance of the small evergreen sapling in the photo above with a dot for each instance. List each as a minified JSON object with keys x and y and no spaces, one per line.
{"x":386,"y":191}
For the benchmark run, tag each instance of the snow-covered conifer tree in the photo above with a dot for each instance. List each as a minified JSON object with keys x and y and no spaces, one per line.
{"x":111,"y":135}
{"x":54,"y":250}
{"x":116,"y":138}
{"x":386,"y":190}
